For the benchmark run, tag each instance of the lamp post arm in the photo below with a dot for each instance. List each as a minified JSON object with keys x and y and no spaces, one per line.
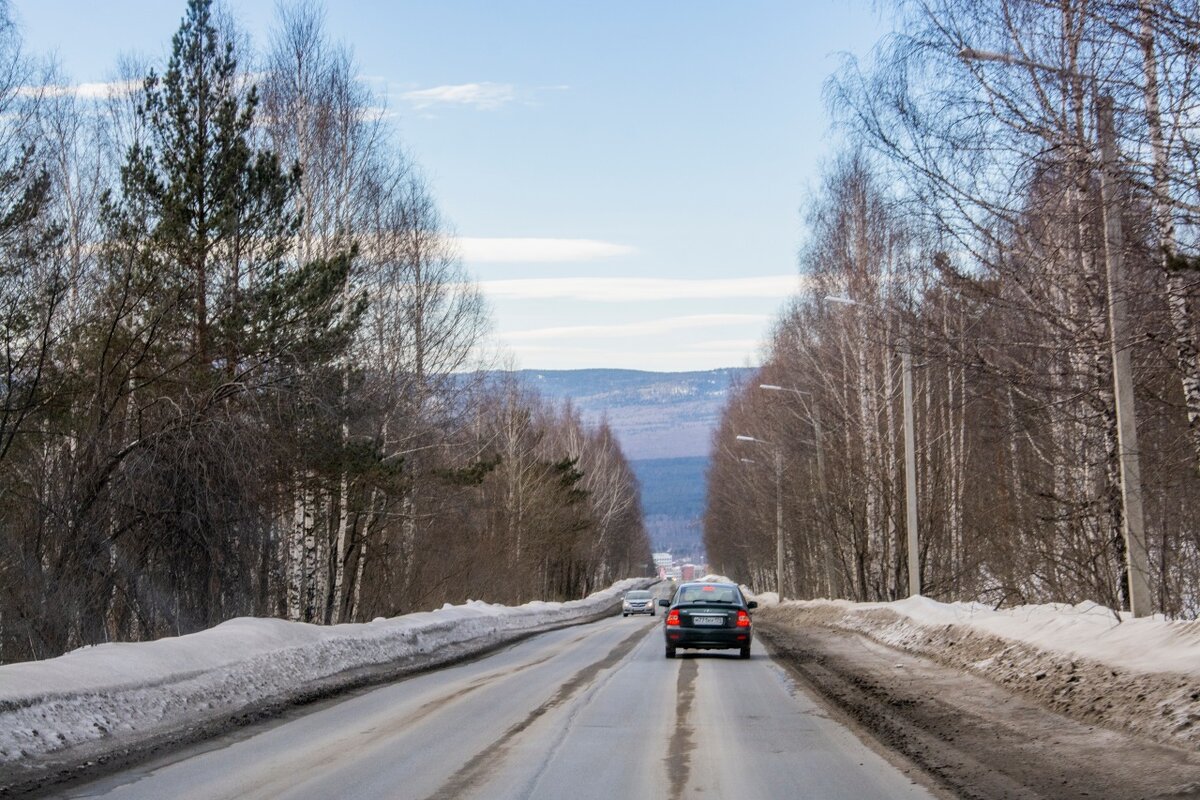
{"x":971,"y":54}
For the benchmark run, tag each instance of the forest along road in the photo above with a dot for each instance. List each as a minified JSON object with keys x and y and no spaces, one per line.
{"x":582,"y":712}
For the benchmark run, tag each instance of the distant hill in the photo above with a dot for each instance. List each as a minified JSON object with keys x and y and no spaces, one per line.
{"x":673,"y":502}
{"x":664,"y":421}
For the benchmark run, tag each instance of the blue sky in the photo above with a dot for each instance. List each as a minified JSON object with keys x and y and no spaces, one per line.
{"x":626,"y":176}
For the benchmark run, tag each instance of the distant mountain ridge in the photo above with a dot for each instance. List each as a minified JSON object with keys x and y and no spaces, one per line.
{"x":654,"y":414}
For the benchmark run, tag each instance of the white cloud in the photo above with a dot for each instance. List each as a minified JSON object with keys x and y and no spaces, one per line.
{"x":621,"y":290}
{"x":729,"y":345}
{"x":84,"y":91}
{"x":485,"y":96}
{"x":376,"y":113}
{"x":517,"y":250}
{"x":652,"y":327}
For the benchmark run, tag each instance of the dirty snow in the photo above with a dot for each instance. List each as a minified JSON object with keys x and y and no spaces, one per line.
{"x":123,"y":694}
{"x":1139,"y":674}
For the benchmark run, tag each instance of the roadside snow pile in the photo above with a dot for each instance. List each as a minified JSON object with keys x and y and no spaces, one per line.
{"x":763,"y":599}
{"x":120,"y":697}
{"x":1140,"y":674}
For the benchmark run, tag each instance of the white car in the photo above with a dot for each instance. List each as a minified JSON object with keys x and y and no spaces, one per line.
{"x":638,"y":601}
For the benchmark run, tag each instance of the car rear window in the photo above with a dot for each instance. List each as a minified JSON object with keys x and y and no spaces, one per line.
{"x":708,"y":594}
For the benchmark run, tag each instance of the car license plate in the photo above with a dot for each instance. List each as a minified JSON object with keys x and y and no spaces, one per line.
{"x":713,"y":621}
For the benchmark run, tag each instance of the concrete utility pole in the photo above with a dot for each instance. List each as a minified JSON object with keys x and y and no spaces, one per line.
{"x":910,"y":477}
{"x":1137,"y":560}
{"x":779,"y":520}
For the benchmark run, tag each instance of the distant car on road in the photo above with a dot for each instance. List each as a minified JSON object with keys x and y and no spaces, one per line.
{"x":637,"y":601}
{"x":708,"y":616}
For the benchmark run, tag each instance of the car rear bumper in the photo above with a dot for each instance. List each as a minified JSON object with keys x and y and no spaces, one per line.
{"x":707,"y":638}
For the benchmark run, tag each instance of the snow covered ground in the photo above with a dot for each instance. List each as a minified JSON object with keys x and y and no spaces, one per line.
{"x":1139,"y":674}
{"x":90,"y":702}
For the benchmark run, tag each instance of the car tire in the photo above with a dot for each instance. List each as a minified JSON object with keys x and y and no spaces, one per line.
{"x":745,"y":652}
{"x":670,"y":651}
{"x":623,"y":614}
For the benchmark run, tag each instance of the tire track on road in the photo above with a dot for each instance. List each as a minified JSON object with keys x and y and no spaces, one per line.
{"x":679,"y":753}
{"x":471,"y":774}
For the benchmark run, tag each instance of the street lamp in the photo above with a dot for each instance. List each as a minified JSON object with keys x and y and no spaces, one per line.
{"x":814,"y":418}
{"x":1137,"y":559}
{"x":910,"y":464}
{"x":778,"y":509}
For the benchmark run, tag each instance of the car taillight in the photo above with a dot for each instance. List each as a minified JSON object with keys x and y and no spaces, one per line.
{"x":673,"y":618}
{"x":743,"y":619}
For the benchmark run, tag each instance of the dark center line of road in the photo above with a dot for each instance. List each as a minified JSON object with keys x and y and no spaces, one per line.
{"x":679,"y":753}
{"x":483,"y":762}
{"x":439,"y":703}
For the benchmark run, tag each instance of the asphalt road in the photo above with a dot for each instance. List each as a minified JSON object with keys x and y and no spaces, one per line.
{"x":593,"y":711}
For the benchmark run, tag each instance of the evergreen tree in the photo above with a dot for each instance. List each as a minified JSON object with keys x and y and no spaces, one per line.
{"x":219,"y":219}
{"x":230,"y":339}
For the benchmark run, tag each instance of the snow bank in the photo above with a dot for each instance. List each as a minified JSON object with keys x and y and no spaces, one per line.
{"x":123,"y":696}
{"x":763,"y":599}
{"x":1087,"y":630}
{"x":1139,"y":674}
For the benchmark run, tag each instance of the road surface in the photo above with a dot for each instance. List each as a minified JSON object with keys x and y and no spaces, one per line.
{"x":593,"y":711}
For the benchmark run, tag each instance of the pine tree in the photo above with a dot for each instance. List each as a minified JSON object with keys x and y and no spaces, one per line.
{"x":220,"y":219}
